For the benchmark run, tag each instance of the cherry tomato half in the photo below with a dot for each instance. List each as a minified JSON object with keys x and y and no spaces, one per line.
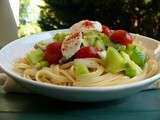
{"x":122,"y":37}
{"x":106,"y":30}
{"x":87,"y":52}
{"x":53,"y":53}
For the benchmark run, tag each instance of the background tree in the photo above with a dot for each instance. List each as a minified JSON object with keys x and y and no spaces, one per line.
{"x":28,"y":16}
{"x":23,"y":15}
{"x":138,"y":16}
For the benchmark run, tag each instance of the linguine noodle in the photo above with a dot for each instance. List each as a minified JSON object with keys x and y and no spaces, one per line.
{"x":65,"y":74}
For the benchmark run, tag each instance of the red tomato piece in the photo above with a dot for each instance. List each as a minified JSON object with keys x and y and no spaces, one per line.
{"x":87,"y":52}
{"x":53,"y":53}
{"x":106,"y":30}
{"x":122,"y":37}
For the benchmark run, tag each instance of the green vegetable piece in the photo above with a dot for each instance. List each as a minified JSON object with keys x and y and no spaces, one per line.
{"x":118,"y":46}
{"x":129,"y":71}
{"x":137,"y":55}
{"x":114,"y":62}
{"x":35,"y":56}
{"x":80,"y":69}
{"x":42,"y":45}
{"x":100,"y":40}
{"x":95,"y":39}
{"x":89,"y":38}
{"x":131,"y":68}
{"x":59,"y":37}
{"x":41,"y":64}
{"x":103,"y":41}
{"x":99,"y":44}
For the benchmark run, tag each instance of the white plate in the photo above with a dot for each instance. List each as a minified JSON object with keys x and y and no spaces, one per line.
{"x":18,"y":48}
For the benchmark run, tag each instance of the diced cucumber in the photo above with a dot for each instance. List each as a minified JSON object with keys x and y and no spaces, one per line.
{"x":99,"y":44}
{"x":35,"y":56}
{"x":130,"y":72}
{"x":59,"y":37}
{"x":118,"y":46}
{"x":80,"y":69}
{"x":42,"y":45}
{"x":95,"y":39}
{"x":131,"y":68}
{"x":90,"y":36}
{"x":114,"y":62}
{"x":137,"y":55}
{"x":100,"y":40}
{"x":41,"y":64}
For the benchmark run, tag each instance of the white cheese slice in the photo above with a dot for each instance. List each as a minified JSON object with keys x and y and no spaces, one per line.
{"x":86,"y":25}
{"x":71,"y":44}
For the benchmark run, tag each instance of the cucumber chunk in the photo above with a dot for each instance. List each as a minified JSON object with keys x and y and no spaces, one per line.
{"x":41,"y":64}
{"x":137,"y":55}
{"x":131,"y":68}
{"x":35,"y":56}
{"x":80,"y":69}
{"x":59,"y":37}
{"x":113,"y":61}
{"x":95,"y":39}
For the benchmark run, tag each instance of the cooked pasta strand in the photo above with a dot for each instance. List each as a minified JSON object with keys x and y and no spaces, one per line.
{"x":65,"y":74}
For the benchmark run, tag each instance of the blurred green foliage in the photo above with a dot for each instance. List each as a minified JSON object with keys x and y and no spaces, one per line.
{"x":137,"y":16}
{"x":27,"y":25}
{"x":28,"y":29}
{"x":23,"y":11}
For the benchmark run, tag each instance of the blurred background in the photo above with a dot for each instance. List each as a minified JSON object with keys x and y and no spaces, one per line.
{"x":137,"y":16}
